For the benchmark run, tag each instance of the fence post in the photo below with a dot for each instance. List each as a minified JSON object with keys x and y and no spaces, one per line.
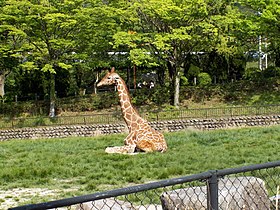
{"x":212,"y":195}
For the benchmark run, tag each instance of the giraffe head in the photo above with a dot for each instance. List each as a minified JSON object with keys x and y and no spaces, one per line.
{"x":109,"y":79}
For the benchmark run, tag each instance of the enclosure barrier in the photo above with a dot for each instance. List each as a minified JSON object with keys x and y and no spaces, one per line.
{"x":160,"y":115}
{"x":248,"y":187}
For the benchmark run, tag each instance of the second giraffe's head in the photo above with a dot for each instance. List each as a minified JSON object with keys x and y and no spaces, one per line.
{"x":110,"y":78}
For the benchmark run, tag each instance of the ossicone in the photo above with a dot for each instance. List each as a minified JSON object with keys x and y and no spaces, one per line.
{"x":113,"y":70}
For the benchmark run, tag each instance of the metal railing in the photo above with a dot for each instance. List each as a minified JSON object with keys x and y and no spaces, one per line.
{"x":7,"y":123}
{"x":214,"y":112}
{"x":248,"y":187}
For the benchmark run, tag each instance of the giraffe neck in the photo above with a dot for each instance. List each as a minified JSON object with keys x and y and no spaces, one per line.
{"x":130,"y":115}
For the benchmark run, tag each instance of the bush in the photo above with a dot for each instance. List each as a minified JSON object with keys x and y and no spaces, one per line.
{"x":88,"y":102}
{"x":161,"y":95}
{"x":193,"y":70}
{"x":184,"y":81}
{"x":271,"y":71}
{"x":263,"y":77}
{"x":158,"y":95}
{"x":252,"y":74}
{"x":15,"y":109}
{"x":141,"y":96}
{"x":204,"y":79}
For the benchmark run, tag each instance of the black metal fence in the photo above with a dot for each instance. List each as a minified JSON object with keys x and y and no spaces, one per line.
{"x":249,"y":187}
{"x":6,"y":123}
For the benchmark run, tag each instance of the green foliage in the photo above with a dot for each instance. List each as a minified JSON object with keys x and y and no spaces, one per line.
{"x":70,"y":104}
{"x":76,"y":40}
{"x":13,"y":109}
{"x":64,"y":66}
{"x":158,"y":96}
{"x":270,"y":75}
{"x":193,"y":70}
{"x":46,"y":36}
{"x":161,"y":95}
{"x":204,"y":79}
{"x":238,"y":93}
{"x":252,"y":74}
{"x":88,"y":103}
{"x":48,"y":68}
{"x":141,"y":57}
{"x":168,"y":32}
{"x":29,"y":66}
{"x":184,"y":81}
{"x":271,"y":72}
{"x":141,"y":97}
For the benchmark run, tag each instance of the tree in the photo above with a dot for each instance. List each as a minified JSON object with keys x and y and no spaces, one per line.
{"x":49,"y":29}
{"x":270,"y":26}
{"x":263,"y":26}
{"x":173,"y":30}
{"x":100,"y":22}
{"x":71,"y":35}
{"x":12,"y":45}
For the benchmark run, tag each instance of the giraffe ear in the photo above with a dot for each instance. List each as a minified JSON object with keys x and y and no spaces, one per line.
{"x":113,"y":70}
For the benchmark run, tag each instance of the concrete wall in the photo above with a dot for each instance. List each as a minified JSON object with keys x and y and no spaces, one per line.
{"x":164,"y":126}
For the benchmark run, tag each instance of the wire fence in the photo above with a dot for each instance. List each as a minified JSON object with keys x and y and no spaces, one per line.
{"x":249,"y":187}
{"x":214,"y":112}
{"x":160,"y":115}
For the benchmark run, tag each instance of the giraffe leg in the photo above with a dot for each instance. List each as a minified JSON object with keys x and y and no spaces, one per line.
{"x":145,"y":145}
{"x":129,"y":140}
{"x":127,"y":149}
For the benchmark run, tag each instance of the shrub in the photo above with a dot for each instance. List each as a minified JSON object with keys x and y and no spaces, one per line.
{"x":253,"y":74}
{"x":266,"y":76}
{"x":204,"y":79}
{"x":161,"y":95}
{"x":184,"y":81}
{"x":193,"y":70}
{"x":141,"y":96}
{"x":271,"y":71}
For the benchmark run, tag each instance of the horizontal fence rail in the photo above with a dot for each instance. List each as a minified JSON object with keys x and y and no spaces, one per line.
{"x":248,"y":187}
{"x":6,"y":123}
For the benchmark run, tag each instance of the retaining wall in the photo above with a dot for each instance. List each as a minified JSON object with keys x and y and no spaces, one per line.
{"x":164,"y":126}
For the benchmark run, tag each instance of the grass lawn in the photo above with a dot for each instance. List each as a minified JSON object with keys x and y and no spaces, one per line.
{"x":78,"y":166}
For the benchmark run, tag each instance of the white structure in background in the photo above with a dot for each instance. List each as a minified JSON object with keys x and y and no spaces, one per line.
{"x":262,"y":55}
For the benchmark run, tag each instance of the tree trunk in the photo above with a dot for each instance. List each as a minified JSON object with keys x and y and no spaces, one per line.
{"x":174,"y":74}
{"x":52,"y":96}
{"x":134,"y":77}
{"x":128,"y":77}
{"x":177,"y":89}
{"x":2,"y":83}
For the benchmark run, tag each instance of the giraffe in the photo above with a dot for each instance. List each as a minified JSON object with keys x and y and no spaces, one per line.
{"x":141,"y":137}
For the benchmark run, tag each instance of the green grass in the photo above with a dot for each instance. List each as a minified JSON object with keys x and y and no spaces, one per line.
{"x":81,"y":163}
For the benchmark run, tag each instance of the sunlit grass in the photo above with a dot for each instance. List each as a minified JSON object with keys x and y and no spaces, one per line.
{"x":81,"y":163}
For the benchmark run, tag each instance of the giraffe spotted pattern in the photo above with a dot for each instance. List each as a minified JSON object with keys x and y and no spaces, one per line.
{"x":141,"y":137}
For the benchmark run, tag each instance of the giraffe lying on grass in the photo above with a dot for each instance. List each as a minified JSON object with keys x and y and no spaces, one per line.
{"x":141,"y":137}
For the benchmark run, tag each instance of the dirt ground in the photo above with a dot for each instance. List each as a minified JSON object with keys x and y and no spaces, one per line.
{"x":15,"y":197}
